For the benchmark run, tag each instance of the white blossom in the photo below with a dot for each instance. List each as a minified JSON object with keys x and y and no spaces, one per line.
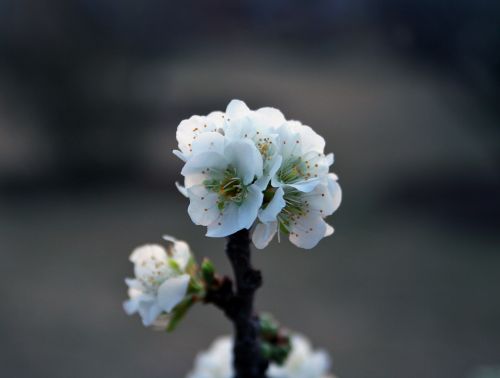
{"x":304,"y":164}
{"x":220,"y":183}
{"x":302,"y":191}
{"x":246,"y":165}
{"x":299,"y":214}
{"x":216,"y":362}
{"x":302,"y":362}
{"x":261,"y":127}
{"x":189,"y":130}
{"x":160,"y":282}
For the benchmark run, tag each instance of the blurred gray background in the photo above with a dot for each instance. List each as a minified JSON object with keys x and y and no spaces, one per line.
{"x":406,"y":95}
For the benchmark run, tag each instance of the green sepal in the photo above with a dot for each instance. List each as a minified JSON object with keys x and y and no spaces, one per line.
{"x":275,"y":341}
{"x":220,"y":205}
{"x":191,"y":267}
{"x":266,"y":349}
{"x":179,"y":312}
{"x":269,"y":195}
{"x":195,"y":286}
{"x":174,"y":266}
{"x":280,"y":354}
{"x":268,"y":326}
{"x":283,"y":228}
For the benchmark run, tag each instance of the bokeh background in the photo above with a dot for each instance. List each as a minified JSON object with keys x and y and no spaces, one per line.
{"x":406,"y":95}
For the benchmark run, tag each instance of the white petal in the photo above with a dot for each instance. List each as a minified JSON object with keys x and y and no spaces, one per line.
{"x":273,"y":208}
{"x":180,"y":155}
{"x":334,"y":191}
{"x":287,"y":141}
{"x":169,"y":238}
{"x":318,"y":363}
{"x":182,"y":189}
{"x":245,"y":158}
{"x":194,"y":179}
{"x":146,"y":252}
{"x":200,"y":162}
{"x":141,"y":297}
{"x":172,"y":291}
{"x":217,"y":119}
{"x":323,"y":200}
{"x":264,"y":233}
{"x":248,"y":210}
{"x":308,"y":231}
{"x":131,"y":306}
{"x":272,"y":168}
{"x":134,"y":284}
{"x":149,"y":312}
{"x":329,"y":159}
{"x":240,"y":128}
{"x":302,"y":362}
{"x":317,"y":165}
{"x":273,"y":116}
{"x":181,"y":253}
{"x":202,"y":207}
{"x":226,"y":224}
{"x":306,"y":185}
{"x":150,"y":261}
{"x":215,"y":362}
{"x":211,"y":141}
{"x":311,"y":141}
{"x":329,"y":230}
{"x":187,"y":132}
{"x":236,"y":109}
{"x":275,"y":165}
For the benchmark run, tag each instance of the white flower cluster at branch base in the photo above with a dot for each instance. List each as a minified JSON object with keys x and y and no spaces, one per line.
{"x":160,"y":282}
{"x":246,"y":167}
{"x":302,"y":362}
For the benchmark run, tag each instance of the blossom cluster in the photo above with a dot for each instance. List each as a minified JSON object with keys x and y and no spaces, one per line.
{"x":302,"y":362}
{"x":168,"y":282}
{"x":161,"y":283}
{"x":254,"y":167}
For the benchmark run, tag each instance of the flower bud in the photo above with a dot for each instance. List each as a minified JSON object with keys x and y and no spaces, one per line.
{"x":208,"y":272}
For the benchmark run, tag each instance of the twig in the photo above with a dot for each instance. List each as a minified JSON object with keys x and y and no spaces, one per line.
{"x":238,"y":307}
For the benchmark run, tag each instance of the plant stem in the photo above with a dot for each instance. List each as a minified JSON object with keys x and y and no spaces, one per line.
{"x":248,"y":360}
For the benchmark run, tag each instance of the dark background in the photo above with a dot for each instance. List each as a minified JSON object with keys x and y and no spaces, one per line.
{"x":406,"y":95}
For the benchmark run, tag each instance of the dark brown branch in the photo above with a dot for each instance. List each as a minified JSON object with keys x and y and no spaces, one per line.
{"x":238,"y":307}
{"x":248,"y":361}
{"x":222,"y":296}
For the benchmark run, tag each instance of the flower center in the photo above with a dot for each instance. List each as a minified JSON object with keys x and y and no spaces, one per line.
{"x":295,"y":208}
{"x":153,"y":273}
{"x":229,"y":187}
{"x":292,"y":170}
{"x":265,"y":147}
